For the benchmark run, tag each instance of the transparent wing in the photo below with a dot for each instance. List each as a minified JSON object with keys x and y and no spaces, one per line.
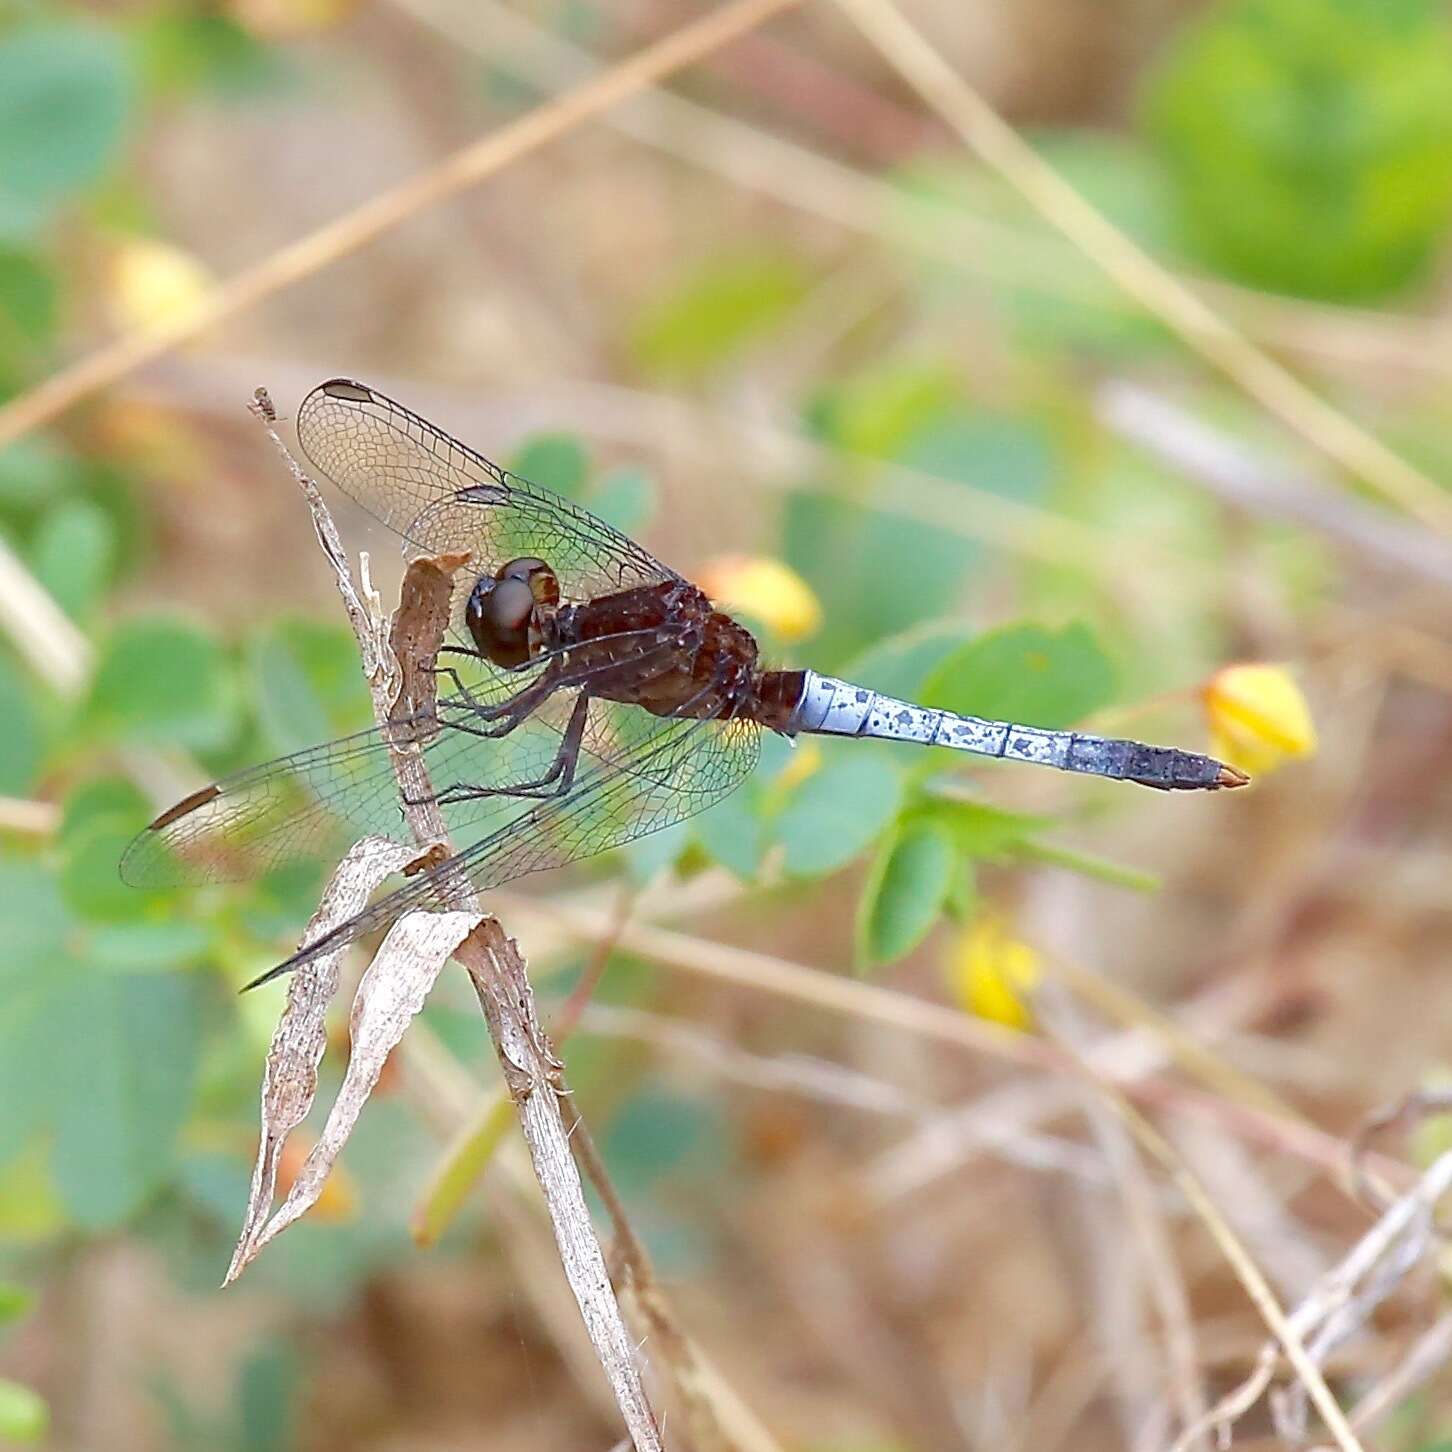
{"x":315,"y":803}
{"x":441,"y":495}
{"x":667,"y":770}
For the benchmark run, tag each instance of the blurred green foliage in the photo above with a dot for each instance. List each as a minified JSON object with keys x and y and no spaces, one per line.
{"x":1304,"y":145}
{"x":1310,"y":141}
{"x":24,"y":1416}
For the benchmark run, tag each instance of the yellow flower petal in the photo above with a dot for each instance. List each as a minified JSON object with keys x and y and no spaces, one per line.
{"x":153,"y":282}
{"x":767,"y":588}
{"x":992,"y":974}
{"x":1258,"y":717}
{"x":284,"y":19}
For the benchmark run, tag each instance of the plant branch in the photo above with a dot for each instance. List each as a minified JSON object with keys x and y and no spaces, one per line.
{"x":382,"y":213}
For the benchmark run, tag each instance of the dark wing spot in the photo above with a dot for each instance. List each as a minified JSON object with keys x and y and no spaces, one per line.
{"x":483,"y":494}
{"x":346,"y":388}
{"x":187,"y":804}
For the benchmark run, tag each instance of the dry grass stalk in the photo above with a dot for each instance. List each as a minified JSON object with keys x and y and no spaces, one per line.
{"x":1198,"y":324}
{"x":383,"y":212}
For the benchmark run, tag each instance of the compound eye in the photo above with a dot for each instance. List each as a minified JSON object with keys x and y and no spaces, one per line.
{"x":543,"y":583}
{"x":506,"y":610}
{"x":498,"y":617}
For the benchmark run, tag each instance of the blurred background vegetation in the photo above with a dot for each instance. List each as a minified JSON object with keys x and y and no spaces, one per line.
{"x":805,"y":346}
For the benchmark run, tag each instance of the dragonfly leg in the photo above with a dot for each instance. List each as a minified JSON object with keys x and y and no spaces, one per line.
{"x":554,"y":783}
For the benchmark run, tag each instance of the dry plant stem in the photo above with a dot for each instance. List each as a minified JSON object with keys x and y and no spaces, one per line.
{"x":1275,"y":389}
{"x":40,"y":630}
{"x":764,"y":973}
{"x":1429,"y":1355}
{"x":1250,"y":1277}
{"x":1351,"y":1290}
{"x":706,"y":1426}
{"x":402,"y":682}
{"x":385,"y":211}
{"x":979,"y":246}
{"x":1232,"y":472}
{"x":1166,"y":1286}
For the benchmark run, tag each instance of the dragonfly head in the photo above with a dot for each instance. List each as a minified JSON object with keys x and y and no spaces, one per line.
{"x":507,"y":610}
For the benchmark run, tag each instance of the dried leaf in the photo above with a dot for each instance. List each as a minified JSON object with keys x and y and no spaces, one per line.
{"x":392,"y":991}
{"x":291,"y":1077}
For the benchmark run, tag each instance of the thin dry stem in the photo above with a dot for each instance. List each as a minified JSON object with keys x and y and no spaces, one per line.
{"x":1258,"y":375}
{"x":712,"y":1425}
{"x":1250,"y":1276}
{"x":40,"y":630}
{"x":381,"y":213}
{"x":980,"y":246}
{"x":763,"y":972}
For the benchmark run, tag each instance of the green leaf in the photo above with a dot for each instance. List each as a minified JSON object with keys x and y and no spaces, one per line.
{"x":838,"y":812}
{"x":32,"y":474}
{"x":653,"y":853}
{"x":267,"y":1399}
{"x":180,"y":51}
{"x":1310,"y":141}
{"x":106,"y":1062}
{"x":899,"y":665}
{"x":881,"y":410}
{"x":555,"y":460}
{"x":165,"y":683}
{"x":65,"y":94}
{"x":879,"y":570}
{"x":20,"y":739}
{"x":27,"y":299}
{"x":1089,"y":864}
{"x":111,"y":799}
{"x":150,"y":946}
{"x":73,"y":554}
{"x":732,"y":833}
{"x":987,"y":832}
{"x":874,"y":571}
{"x":905,"y":892}
{"x":124,"y":1063}
{"x":24,"y":1416}
{"x":1028,"y":674}
{"x":15,"y":1301}
{"x":625,"y":498}
{"x":716,"y":311}
{"x":306,"y":684}
{"x":90,"y":877}
{"x":37,"y":924}
{"x":653,"y":1134}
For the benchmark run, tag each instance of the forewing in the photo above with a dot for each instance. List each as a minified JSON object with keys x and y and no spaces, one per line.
{"x":671,"y":770}
{"x":316,"y":803}
{"x":441,"y":495}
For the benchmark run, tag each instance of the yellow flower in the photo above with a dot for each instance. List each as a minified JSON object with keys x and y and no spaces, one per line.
{"x":766,"y":588}
{"x":1258,"y":717}
{"x":992,"y":974}
{"x":285,"y":19}
{"x":153,"y":282}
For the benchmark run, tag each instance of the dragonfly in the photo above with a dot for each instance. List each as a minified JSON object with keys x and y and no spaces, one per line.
{"x":591,"y":695}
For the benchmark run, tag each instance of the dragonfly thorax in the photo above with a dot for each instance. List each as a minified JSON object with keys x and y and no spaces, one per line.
{"x":509,"y":612}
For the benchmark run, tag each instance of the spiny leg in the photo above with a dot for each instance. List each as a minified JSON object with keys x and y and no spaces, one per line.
{"x":555,"y":782}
